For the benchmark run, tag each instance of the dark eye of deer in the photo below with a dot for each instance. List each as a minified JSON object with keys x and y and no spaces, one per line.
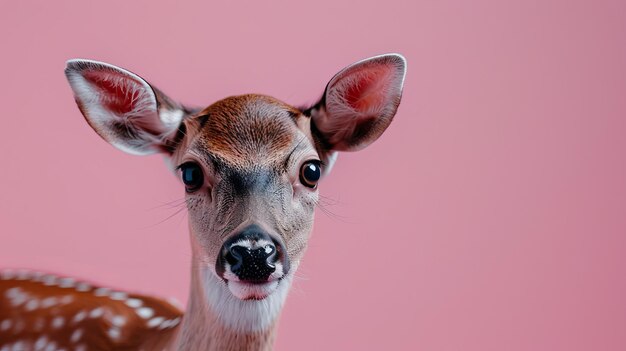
{"x":310,"y":173}
{"x":192,"y":176}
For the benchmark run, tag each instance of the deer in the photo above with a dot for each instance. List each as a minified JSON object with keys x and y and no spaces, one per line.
{"x":250,"y":167}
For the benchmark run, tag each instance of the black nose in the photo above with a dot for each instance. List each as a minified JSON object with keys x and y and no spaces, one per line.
{"x":252,"y":255}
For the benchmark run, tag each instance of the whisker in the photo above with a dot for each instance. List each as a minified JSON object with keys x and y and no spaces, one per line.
{"x":178,"y":206}
{"x":178,"y":211}
{"x":325,"y":202}
{"x":169,"y":204}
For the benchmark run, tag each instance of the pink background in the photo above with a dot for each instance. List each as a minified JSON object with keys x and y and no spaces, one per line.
{"x":490,"y":216}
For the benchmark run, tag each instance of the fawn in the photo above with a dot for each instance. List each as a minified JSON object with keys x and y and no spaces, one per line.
{"x":250,"y":166}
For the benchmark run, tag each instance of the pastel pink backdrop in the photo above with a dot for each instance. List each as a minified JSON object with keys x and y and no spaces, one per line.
{"x":490,"y":216}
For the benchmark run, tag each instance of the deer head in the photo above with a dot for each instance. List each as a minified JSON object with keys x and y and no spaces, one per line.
{"x":250,"y":167}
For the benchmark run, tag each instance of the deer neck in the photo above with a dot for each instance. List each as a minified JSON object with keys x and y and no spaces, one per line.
{"x":216,"y":320}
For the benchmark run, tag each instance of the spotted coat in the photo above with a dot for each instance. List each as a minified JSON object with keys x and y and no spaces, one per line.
{"x":46,"y":312}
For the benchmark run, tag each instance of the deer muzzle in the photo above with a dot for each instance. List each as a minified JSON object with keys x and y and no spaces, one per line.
{"x":252,"y":256}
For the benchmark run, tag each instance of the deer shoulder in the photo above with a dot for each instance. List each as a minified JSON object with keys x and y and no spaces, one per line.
{"x":45,"y":312}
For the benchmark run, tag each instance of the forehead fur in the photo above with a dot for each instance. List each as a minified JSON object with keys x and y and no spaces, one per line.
{"x":247,"y":129}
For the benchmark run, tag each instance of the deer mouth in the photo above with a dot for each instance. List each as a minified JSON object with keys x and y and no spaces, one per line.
{"x":252,"y":290}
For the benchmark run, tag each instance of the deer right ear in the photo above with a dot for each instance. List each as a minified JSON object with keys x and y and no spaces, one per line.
{"x":359,"y":103}
{"x":123,"y":108}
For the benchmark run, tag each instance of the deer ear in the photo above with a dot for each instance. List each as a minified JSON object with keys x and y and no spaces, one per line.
{"x":359,"y":103}
{"x":123,"y":108}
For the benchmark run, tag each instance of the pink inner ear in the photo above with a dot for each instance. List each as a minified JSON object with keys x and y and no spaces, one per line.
{"x":369,"y":89}
{"x":118,"y":93}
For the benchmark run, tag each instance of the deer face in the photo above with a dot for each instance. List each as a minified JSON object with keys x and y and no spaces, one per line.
{"x":250,"y":164}
{"x":251,"y":193}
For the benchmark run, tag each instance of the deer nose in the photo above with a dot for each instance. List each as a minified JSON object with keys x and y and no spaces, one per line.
{"x":252,"y":255}
{"x":252,"y":264}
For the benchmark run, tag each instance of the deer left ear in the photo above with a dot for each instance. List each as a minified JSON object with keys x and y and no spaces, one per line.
{"x":359,"y":103}
{"x":123,"y":108}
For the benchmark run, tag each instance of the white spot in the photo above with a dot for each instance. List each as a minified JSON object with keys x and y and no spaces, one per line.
{"x":114,"y":333}
{"x":5,"y":348}
{"x":83,"y":287}
{"x":13,"y":292}
{"x":169,"y":323}
{"x":5,"y":324}
{"x":18,"y":346}
{"x":67,"y":299}
{"x":102,"y":291}
{"x":36,"y":276}
{"x":7,"y":274}
{"x":49,"y":280}
{"x":145,"y":312}
{"x":118,"y":321}
{"x":174,"y":302}
{"x":154,"y":322}
{"x":41,"y":343}
{"x":174,"y":322}
{"x":118,"y":295}
{"x":58,"y":322}
{"x":96,"y":312}
{"x":134,"y":303}
{"x":52,"y":346}
{"x":80,"y":347}
{"x":76,"y":335}
{"x":49,"y":302}
{"x":66,"y":283}
{"x":79,"y":316}
{"x":19,"y":299}
{"x":32,"y":305}
{"x":22,"y":275}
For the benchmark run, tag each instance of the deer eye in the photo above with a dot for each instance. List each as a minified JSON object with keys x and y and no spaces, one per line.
{"x":192,"y":176}
{"x":310,"y":173}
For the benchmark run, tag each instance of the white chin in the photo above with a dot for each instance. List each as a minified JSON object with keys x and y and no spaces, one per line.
{"x":247,"y":291}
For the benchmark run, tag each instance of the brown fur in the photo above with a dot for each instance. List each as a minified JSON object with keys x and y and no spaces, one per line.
{"x":243,"y":130}
{"x":37,"y":305}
